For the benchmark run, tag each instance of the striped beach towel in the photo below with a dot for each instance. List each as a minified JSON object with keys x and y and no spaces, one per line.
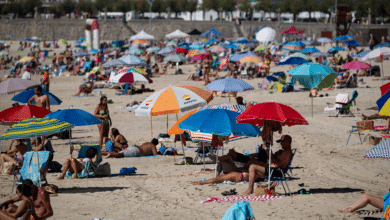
{"x":242,"y":198}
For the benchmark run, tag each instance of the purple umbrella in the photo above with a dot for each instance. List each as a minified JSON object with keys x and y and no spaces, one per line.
{"x":15,"y":85}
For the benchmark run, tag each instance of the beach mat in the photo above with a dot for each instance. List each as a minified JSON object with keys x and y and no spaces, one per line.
{"x":242,"y":198}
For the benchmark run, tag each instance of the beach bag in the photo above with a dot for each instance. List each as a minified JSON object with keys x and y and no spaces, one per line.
{"x":374,"y":140}
{"x":54,"y":167}
{"x":365,"y":125}
{"x":386,"y":207}
{"x":104,"y":170}
{"x":261,"y":188}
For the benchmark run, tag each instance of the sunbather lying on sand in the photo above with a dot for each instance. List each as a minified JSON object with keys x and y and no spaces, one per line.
{"x":232,"y":177}
{"x":146,"y":149}
{"x":377,"y":116}
{"x":363,"y":202}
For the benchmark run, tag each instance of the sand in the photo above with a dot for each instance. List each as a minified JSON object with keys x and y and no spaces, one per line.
{"x":336,"y":174}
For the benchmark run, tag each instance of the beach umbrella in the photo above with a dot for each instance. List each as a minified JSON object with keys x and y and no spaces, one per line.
{"x":195,"y":47}
{"x":81,"y":39}
{"x":80,"y":54}
{"x":175,"y":58}
{"x":294,"y":46}
{"x":383,"y":99}
{"x":250,"y":59}
{"x":260,"y":48}
{"x":181,"y":50}
{"x":381,"y":150}
{"x":237,"y":56}
{"x":363,"y":53}
{"x":184,"y":45}
{"x":229,"y":85}
{"x":131,"y":70}
{"x":348,"y":36}
{"x":232,"y":46}
{"x":139,"y":42}
{"x":8,"y":37}
{"x":341,"y":38}
{"x":386,"y":44}
{"x":135,"y":51}
{"x":321,"y":54}
{"x":352,"y":43}
{"x":310,"y":50}
{"x":356,"y":65}
{"x":3,"y":53}
{"x":131,"y":77}
{"x":22,"y":112}
{"x":313,"y":75}
{"x":335,"y":49}
{"x":324,"y":40}
{"x":307,"y":42}
{"x":292,"y":61}
{"x":192,"y":52}
{"x":26,"y":95}
{"x":300,"y":55}
{"x":62,"y":41}
{"x":35,"y":127}
{"x":76,"y":117}
{"x":14,"y":85}
{"x":26,"y":59}
{"x":166,"y":51}
{"x":200,"y":57}
{"x":212,"y":40}
{"x":113,"y":63}
{"x":217,"y":49}
{"x":224,"y":61}
{"x":152,"y":49}
{"x":378,"y":55}
{"x":266,"y":34}
{"x":385,"y":88}
{"x":211,"y":33}
{"x":132,"y":60}
{"x":242,"y":41}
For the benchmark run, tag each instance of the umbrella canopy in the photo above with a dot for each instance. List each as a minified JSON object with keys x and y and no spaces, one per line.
{"x":139,"y":42}
{"x":237,"y":56}
{"x":292,"y":61}
{"x":385,"y":88}
{"x":76,"y":117}
{"x":313,"y":75}
{"x":376,"y":54}
{"x":195,"y":32}
{"x":341,"y":38}
{"x":242,"y":41}
{"x":153,"y":49}
{"x":356,"y":65}
{"x":81,"y":39}
{"x":200,"y":57}
{"x":35,"y":127}
{"x":15,"y":85}
{"x":250,"y":59}
{"x":26,"y":95}
{"x":113,"y":63}
{"x":335,"y":49}
{"x":212,"y":32}
{"x":173,"y":99}
{"x":181,"y":50}
{"x":352,"y":43}
{"x":135,"y":51}
{"x":80,"y":54}
{"x":232,"y":46}
{"x":321,"y":54}
{"x":195,"y":47}
{"x":310,"y":50}
{"x":299,"y":55}
{"x":132,"y":60}
{"x":217,"y":49}
{"x":383,"y":100}
{"x":175,"y":58}
{"x":218,"y":122}
{"x":386,"y":44}
{"x":349,"y":36}
{"x":324,"y":40}
{"x":260,"y":48}
{"x":266,"y":34}
{"x":271,"y":111}
{"x":26,"y":59}
{"x":294,"y":46}
{"x":292,"y":30}
{"x":166,"y":51}
{"x":381,"y":150}
{"x":62,"y":41}
{"x":132,"y":77}
{"x":142,"y":36}
{"x":229,"y":85}
{"x":22,"y":112}
{"x":362,"y":54}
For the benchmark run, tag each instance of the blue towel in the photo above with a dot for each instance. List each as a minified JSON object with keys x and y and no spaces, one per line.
{"x":239,"y":211}
{"x":386,"y":206}
{"x":109,"y":146}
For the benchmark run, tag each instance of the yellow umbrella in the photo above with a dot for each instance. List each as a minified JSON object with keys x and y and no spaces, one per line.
{"x":250,"y":59}
{"x":26,"y":59}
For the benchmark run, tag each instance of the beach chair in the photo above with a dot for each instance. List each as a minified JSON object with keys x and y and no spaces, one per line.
{"x":207,"y":149}
{"x":351,"y":82}
{"x":343,"y":104}
{"x":284,"y":179}
{"x":34,"y":168}
{"x":90,"y":168}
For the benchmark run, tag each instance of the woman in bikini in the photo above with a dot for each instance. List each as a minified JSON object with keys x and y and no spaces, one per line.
{"x":77,"y":165}
{"x":118,"y":140}
{"x":25,"y":210}
{"x":207,"y":65}
{"x":102,"y":113}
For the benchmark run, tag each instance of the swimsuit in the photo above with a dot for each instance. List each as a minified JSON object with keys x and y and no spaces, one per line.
{"x":105,"y":122}
{"x":242,"y":177}
{"x":131,"y":151}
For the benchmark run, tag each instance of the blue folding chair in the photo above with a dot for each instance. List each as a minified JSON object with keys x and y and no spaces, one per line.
{"x":90,"y":168}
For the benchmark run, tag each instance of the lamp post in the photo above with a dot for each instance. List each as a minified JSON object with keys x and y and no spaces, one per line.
{"x":150,"y":15}
{"x":220,"y":14}
{"x":169,"y":13}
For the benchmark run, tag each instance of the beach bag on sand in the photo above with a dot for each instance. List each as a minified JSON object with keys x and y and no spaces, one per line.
{"x":365,"y":125}
{"x":261,"y":189}
{"x":104,"y":170}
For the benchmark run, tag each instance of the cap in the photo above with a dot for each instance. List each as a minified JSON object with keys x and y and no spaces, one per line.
{"x":285,"y":138}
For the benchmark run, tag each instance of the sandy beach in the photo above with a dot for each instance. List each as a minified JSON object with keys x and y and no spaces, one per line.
{"x":336,"y":174}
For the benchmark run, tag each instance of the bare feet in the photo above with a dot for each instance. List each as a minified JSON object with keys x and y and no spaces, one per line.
{"x":108,"y":156}
{"x":247,"y":192}
{"x":60,"y":178}
{"x":345,"y":210}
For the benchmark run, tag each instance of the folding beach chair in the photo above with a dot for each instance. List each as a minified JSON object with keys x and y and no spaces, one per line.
{"x":90,"y":168}
{"x":34,"y":168}
{"x":343,"y":104}
{"x":284,"y":179}
{"x":351,"y":82}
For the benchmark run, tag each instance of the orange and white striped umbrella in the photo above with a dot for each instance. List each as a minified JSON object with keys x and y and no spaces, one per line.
{"x":172,"y":100}
{"x":138,"y":42}
{"x":250,"y":59}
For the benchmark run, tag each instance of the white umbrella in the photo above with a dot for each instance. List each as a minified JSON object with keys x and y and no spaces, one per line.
{"x":378,"y":55}
{"x":177,"y":34}
{"x":324,"y":40}
{"x":266,"y":34}
{"x":142,"y":36}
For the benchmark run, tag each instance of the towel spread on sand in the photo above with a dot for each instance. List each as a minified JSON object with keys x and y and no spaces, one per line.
{"x":242,"y":198}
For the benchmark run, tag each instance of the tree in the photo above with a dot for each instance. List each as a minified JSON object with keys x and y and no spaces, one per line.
{"x":229,"y":6}
{"x":28,"y":6}
{"x":210,"y":5}
{"x":123,"y":6}
{"x":101,"y":4}
{"x":85,"y":6}
{"x":191,"y":6}
{"x":158,"y":6}
{"x":141,"y":6}
{"x":67,"y":6}
{"x":176,"y":6}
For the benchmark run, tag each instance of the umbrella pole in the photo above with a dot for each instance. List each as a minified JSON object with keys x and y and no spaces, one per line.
{"x":269,"y":168}
{"x":204,"y":160}
{"x":167,"y":124}
{"x":312,"y":106}
{"x":383,"y":74}
{"x":151,"y":126}
{"x":216,"y":164}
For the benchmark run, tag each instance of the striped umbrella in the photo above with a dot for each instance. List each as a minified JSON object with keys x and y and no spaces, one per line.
{"x":300,"y":55}
{"x":113,"y":63}
{"x":26,"y":59}
{"x":224,"y":62}
{"x":381,"y":150}
{"x":132,"y":60}
{"x":250,"y":59}
{"x":217,"y":49}
{"x":260,"y":48}
{"x":133,"y":70}
{"x":135,"y":51}
{"x":294,"y":46}
{"x":139,"y":42}
{"x":35,"y":127}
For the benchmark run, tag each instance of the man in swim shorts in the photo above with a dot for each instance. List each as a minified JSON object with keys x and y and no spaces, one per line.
{"x":146,"y":149}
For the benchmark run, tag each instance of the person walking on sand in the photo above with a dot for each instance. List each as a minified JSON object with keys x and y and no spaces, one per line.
{"x":40,"y":99}
{"x":102,"y":113}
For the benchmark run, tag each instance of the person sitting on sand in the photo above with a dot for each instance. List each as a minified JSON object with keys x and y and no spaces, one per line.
{"x":142,"y":89}
{"x":118,"y":142}
{"x":40,"y":198}
{"x":146,"y":149}
{"x":18,"y":151}
{"x":377,"y":116}
{"x":341,"y":78}
{"x":86,"y":87}
{"x":280,"y":159}
{"x":26,"y":208}
{"x":365,"y":200}
{"x":77,"y":165}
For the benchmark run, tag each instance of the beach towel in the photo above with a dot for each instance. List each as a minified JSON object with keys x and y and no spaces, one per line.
{"x":386,"y":207}
{"x":242,"y":198}
{"x":240,"y":210}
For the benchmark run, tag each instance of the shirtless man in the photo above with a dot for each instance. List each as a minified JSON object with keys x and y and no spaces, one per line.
{"x":146,"y":149}
{"x":41,"y":202}
{"x":279,"y":160}
{"x":267,"y":62}
{"x":19,"y":150}
{"x":40,"y":99}
{"x":60,"y":60}
{"x":54,"y":59}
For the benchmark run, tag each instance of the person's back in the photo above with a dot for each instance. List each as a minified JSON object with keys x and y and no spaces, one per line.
{"x":148,"y":148}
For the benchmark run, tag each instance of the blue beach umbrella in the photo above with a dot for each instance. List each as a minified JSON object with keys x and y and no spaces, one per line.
{"x":94,"y":51}
{"x":340,"y":38}
{"x":81,"y":39}
{"x":80,"y":54}
{"x":166,"y":51}
{"x":195,"y":47}
{"x":136,"y":51}
{"x":242,"y":41}
{"x":293,"y":61}
{"x":352,"y":43}
{"x":229,"y":85}
{"x":232,"y":46}
{"x":362,"y":54}
{"x":310,"y":50}
{"x":387,"y":44}
{"x":335,"y":49}
{"x":218,"y":122}
{"x":132,"y":60}
{"x":26,"y":95}
{"x":75,"y":117}
{"x":212,"y":32}
{"x":113,"y":63}
{"x":321,"y":54}
{"x":348,"y":36}
{"x":184,"y":44}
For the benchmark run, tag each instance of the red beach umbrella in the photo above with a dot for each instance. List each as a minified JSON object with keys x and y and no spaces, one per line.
{"x":181,"y":50}
{"x":385,"y":88}
{"x":22,"y":112}
{"x":201,"y":57}
{"x":271,"y":111}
